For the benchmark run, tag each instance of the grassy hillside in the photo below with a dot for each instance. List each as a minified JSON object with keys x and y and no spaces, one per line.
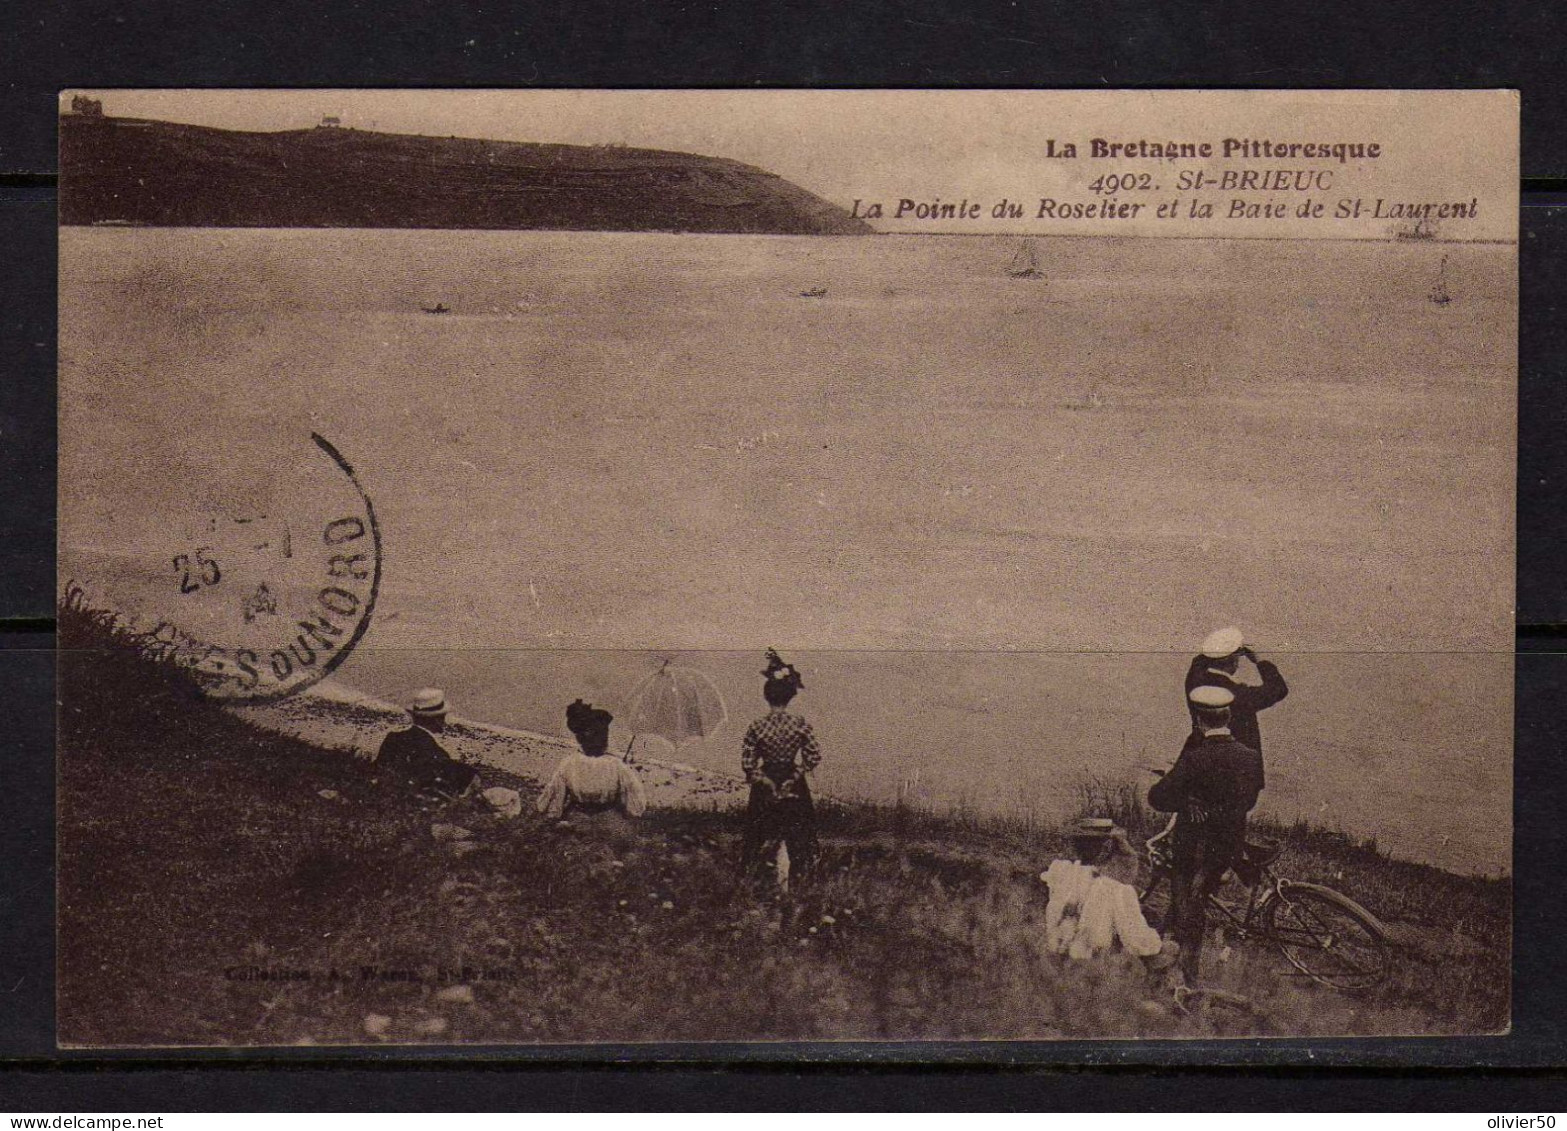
{"x":132,"y":171}
{"x":219,"y":885}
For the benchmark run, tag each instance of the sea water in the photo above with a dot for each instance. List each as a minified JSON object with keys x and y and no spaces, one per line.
{"x":989,"y":517}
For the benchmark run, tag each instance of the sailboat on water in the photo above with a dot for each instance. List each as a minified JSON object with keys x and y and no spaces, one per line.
{"x":1025,"y":263}
{"x":1439,"y":293}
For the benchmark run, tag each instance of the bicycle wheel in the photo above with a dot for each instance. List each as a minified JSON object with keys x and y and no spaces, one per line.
{"x":1327,"y":937}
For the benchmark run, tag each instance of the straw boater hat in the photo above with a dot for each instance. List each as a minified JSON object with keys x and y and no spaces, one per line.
{"x":428,"y":702}
{"x":1093,"y":828}
{"x":1224,"y":642}
{"x":1099,"y":830}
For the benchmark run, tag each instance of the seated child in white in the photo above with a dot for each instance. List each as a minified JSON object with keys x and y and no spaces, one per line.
{"x":1093,"y":906}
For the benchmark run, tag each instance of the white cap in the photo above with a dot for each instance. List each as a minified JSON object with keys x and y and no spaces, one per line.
{"x":1211,"y":698}
{"x":428,"y":701}
{"x":1224,"y":642}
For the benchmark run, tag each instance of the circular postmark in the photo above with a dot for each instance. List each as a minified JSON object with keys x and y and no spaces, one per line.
{"x":261,"y":581}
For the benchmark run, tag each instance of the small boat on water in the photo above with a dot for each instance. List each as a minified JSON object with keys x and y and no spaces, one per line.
{"x":438,"y":308}
{"x":1025,"y":263}
{"x":814,"y":292}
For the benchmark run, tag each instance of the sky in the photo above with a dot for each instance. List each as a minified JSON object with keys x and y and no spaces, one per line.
{"x":978,"y":146}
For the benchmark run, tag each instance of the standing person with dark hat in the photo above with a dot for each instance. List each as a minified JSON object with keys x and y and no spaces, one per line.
{"x":779,"y":749}
{"x":1218,"y":665}
{"x":415,"y":757}
{"x":1211,"y":788}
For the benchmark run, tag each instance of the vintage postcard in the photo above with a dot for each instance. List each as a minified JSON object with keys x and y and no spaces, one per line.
{"x":547,"y":567}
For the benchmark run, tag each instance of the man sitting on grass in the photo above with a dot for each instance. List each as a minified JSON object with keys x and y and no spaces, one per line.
{"x":1093,"y":906}
{"x":415,"y":758}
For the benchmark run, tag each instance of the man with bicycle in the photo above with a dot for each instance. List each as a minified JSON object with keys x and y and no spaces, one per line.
{"x":1213,"y":785}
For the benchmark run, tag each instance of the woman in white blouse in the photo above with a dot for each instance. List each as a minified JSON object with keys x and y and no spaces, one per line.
{"x":1093,"y":906}
{"x":591,"y":781}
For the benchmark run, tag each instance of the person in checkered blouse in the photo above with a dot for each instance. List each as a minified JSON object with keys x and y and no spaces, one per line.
{"x":778,"y":751}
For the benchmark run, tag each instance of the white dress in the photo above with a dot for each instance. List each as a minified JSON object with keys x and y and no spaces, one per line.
{"x":1090,"y":913}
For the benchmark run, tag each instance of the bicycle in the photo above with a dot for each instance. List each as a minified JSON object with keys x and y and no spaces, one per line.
{"x":1323,"y":934}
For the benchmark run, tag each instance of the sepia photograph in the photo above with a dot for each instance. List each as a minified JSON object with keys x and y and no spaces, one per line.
{"x":574,"y":567}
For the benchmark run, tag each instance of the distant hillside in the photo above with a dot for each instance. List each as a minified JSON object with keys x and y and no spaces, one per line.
{"x":127,"y":170}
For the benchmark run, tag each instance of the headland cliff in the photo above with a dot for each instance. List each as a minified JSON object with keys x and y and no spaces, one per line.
{"x":139,"y":172}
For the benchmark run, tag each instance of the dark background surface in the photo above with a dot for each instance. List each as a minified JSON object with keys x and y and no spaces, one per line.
{"x":928,"y":43}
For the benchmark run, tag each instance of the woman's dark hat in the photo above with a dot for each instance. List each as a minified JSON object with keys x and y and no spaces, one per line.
{"x":584,"y":718}
{"x":778,"y":671}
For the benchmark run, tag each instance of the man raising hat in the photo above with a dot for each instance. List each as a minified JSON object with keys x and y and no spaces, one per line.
{"x":415,"y":757}
{"x":1218,"y":666}
{"x":1212,"y":787}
